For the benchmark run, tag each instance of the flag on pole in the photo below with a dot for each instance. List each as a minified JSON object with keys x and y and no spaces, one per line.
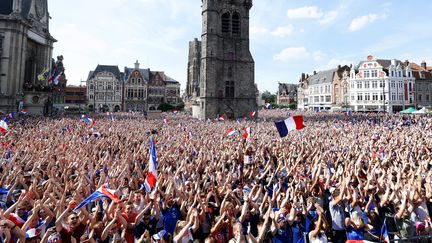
{"x":57,"y":78}
{"x":24,"y":111}
{"x":252,"y":113}
{"x":152,"y":173}
{"x":384,"y":233}
{"x":87,"y":120}
{"x":44,"y":75}
{"x":247,"y":131}
{"x":103,"y":191}
{"x":268,"y":105}
{"x":290,"y":124}
{"x":3,"y":127}
{"x":166,"y":120}
{"x":221,"y":118}
{"x":230,"y":132}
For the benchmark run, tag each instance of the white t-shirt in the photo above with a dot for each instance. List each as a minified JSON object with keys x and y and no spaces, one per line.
{"x":322,"y":239}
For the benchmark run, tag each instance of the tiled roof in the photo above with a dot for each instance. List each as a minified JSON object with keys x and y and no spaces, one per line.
{"x":145,"y":72}
{"x":287,"y":88}
{"x":387,"y":63}
{"x":322,"y":77}
{"x":107,"y":68}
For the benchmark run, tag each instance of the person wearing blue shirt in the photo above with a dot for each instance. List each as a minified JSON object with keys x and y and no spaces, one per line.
{"x":171,"y":213}
{"x":280,"y":231}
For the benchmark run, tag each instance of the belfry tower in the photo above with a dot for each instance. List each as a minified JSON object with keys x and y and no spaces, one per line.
{"x":227,"y":67}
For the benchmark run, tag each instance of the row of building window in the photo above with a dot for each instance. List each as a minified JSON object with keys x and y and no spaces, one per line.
{"x":322,"y":89}
{"x":135,"y":93}
{"x":321,"y":98}
{"x":103,"y":97}
{"x":424,"y":87}
{"x":377,"y":97}
{"x":100,"y":86}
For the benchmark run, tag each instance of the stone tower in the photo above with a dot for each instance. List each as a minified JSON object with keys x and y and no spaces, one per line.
{"x":194,"y":65}
{"x":227,"y":67}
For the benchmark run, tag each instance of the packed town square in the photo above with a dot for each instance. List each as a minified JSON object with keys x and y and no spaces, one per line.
{"x":122,"y":178}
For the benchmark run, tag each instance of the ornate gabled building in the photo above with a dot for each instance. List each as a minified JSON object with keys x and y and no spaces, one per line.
{"x":104,"y":89}
{"x":25,"y":52}
{"x":135,"y":88}
{"x":341,"y":88}
{"x":382,"y":85}
{"x":287,"y":94}
{"x":227,"y":67}
{"x":423,"y":83}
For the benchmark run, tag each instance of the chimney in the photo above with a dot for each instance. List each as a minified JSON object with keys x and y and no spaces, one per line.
{"x":339,"y":66}
{"x":303,"y":76}
{"x":137,"y":65}
{"x":406,"y":63}
{"x":315,"y":72}
{"x":393,"y":62}
{"x":423,"y":64}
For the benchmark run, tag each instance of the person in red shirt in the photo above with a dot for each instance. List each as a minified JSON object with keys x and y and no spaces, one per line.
{"x":129,"y":215}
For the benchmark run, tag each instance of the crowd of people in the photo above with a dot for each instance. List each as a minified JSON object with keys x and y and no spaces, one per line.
{"x":362,"y":177}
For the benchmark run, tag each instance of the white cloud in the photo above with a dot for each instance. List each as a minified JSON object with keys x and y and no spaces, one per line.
{"x":318,"y":55}
{"x":310,"y":12}
{"x":329,"y":17}
{"x":333,"y":63}
{"x":283,"y":31}
{"x":257,"y":30}
{"x":363,"y":21}
{"x":292,"y":53}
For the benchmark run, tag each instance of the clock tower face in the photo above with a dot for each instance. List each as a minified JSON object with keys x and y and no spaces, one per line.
{"x":40,"y":8}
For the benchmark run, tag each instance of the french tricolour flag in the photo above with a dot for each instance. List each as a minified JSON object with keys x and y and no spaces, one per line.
{"x":267,"y":105}
{"x":252,"y":113}
{"x":3,"y":126}
{"x":87,"y":120}
{"x":152,"y":173}
{"x":290,"y":124}
{"x":247,"y":132}
{"x":230,"y":132}
{"x":221,"y":118}
{"x":103,"y":191}
{"x":24,"y":111}
{"x":384,"y":233}
{"x":166,"y":120}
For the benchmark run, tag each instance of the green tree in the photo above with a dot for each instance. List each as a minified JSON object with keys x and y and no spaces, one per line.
{"x":268,"y":97}
{"x":165,"y":107}
{"x":179,"y":106}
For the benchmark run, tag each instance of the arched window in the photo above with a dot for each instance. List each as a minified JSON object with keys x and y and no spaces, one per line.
{"x":225,"y":22}
{"x":236,"y":24}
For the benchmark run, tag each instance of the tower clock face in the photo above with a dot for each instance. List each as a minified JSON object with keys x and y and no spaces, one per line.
{"x":40,"y":8}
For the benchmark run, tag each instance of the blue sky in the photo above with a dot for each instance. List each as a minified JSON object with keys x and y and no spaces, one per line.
{"x":288,"y":37}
